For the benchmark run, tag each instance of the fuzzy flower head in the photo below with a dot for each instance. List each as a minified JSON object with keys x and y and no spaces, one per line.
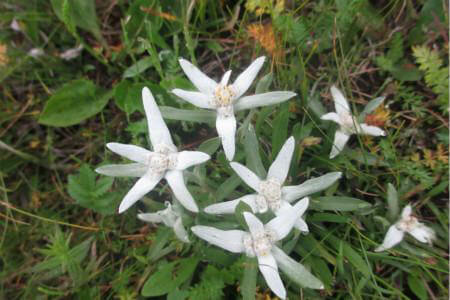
{"x":165,"y":161}
{"x":227,"y":98}
{"x":270,"y":192}
{"x":171,"y":217}
{"x":407,"y":224}
{"x":348,"y":124}
{"x":259,"y":242}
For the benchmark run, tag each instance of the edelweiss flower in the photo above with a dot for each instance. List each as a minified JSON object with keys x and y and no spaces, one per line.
{"x":171,"y":217}
{"x":227,"y":98}
{"x":270,"y":192}
{"x":259,"y":242}
{"x":348,"y":123}
{"x":151,"y":166}
{"x":409,"y":224}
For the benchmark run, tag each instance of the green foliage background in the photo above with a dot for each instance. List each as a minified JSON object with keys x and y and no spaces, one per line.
{"x":60,"y":237}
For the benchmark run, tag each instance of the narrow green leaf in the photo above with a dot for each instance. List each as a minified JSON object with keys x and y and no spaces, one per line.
{"x":264,"y":84}
{"x":202,"y":116}
{"x":338,"y":203}
{"x":73,"y":103}
{"x":210,"y":146}
{"x":280,"y":129}
{"x":169,"y":276}
{"x":252,"y":155}
{"x":372,"y":105}
{"x":416,"y":285}
{"x":248,"y":284}
{"x":392,"y":198}
{"x":227,"y":187}
{"x":137,"y":68}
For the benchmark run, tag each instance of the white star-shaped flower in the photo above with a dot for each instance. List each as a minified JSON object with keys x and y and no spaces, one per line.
{"x":226,"y":98}
{"x":271,"y":194}
{"x":151,"y":166}
{"x":348,"y":123}
{"x":171,"y":217}
{"x":259,"y":242}
{"x":407,"y":223}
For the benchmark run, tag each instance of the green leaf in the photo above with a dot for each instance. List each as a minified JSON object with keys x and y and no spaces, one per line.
{"x":372,"y":105}
{"x":92,"y":194}
{"x":327,"y":217}
{"x":264,"y":84}
{"x":73,"y":103}
{"x":202,"y":116}
{"x":392,"y":198}
{"x":210,"y":146}
{"x":416,"y":285}
{"x":81,"y":13}
{"x":280,"y":129}
{"x":137,"y":68}
{"x":248,"y":284}
{"x":252,"y":155}
{"x":338,"y":203}
{"x":169,"y":276}
{"x":227,"y":187}
{"x":239,"y":213}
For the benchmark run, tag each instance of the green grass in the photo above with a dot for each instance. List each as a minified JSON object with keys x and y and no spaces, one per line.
{"x":61,"y":243}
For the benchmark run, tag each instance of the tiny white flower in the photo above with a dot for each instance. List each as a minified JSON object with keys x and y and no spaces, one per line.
{"x":36,"y":52}
{"x":151,"y":166}
{"x":259,"y":242}
{"x":347,"y":122}
{"x":271,"y":194}
{"x":15,"y":25}
{"x":407,"y":223}
{"x":171,"y":217}
{"x":72,"y":53}
{"x":226,"y":98}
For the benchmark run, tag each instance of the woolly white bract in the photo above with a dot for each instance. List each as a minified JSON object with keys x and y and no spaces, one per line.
{"x":407,"y":224}
{"x":348,"y":124}
{"x":271,"y":194}
{"x":260,"y":242}
{"x":151,"y":166}
{"x":171,"y":217}
{"x":227,"y":98}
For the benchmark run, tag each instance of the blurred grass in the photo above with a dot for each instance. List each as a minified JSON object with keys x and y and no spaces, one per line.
{"x":51,"y":247}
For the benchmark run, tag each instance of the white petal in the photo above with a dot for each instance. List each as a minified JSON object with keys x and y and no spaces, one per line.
{"x":180,"y":232}
{"x":282,"y":224}
{"x":228,"y":207}
{"x":371,"y":130}
{"x":140,"y":188}
{"x":340,"y":103}
{"x":340,"y":139}
{"x":225,"y":78}
{"x":230,"y":240}
{"x":150,"y":217}
{"x":280,"y":167}
{"x":132,"y":152}
{"x":331,"y":117}
{"x":131,"y":170}
{"x":311,"y":186}
{"x":186,"y":159}
{"x":226,"y":129}
{"x":406,"y":212}
{"x":250,"y":178}
{"x":245,"y":79}
{"x":202,"y":82}
{"x":159,"y":133}
{"x":422,"y":233}
{"x":254,"y":224}
{"x":300,"y":224}
{"x":195,"y":98}
{"x":269,"y":269}
{"x":176,"y":182}
{"x":264,"y":99}
{"x":392,"y":238}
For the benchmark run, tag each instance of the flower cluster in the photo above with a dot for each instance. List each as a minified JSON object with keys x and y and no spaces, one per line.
{"x":271,"y":193}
